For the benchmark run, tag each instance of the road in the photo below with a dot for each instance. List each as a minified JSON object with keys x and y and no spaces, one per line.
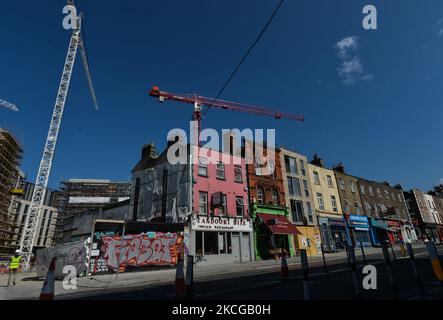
{"x":267,"y":284}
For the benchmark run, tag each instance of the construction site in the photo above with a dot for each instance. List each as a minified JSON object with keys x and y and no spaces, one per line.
{"x":10,"y":158}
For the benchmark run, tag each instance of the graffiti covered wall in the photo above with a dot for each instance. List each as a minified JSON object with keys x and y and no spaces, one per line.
{"x":74,"y":254}
{"x":141,"y":250}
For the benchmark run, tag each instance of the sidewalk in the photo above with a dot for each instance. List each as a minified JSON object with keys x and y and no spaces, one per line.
{"x":29,"y":288}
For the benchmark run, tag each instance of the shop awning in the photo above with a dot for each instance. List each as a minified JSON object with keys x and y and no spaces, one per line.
{"x":278,"y":224}
{"x":379,"y":224}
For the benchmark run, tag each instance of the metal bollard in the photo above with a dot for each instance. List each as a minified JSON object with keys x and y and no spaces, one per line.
{"x":363,"y":253}
{"x":190,"y":278}
{"x":354,"y":272}
{"x":389,"y":271}
{"x":324,"y":259}
{"x":414,"y":268}
{"x":305,"y":267}
{"x":393,"y":253}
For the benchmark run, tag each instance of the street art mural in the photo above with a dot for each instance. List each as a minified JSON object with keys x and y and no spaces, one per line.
{"x":141,"y":250}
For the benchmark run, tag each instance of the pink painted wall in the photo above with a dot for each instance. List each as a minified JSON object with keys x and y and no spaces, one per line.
{"x":229,"y":186}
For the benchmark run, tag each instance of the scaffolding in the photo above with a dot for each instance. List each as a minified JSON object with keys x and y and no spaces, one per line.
{"x":10,"y":157}
{"x":80,"y":195}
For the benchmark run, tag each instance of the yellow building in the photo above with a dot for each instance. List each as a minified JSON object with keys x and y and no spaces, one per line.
{"x":299,"y":201}
{"x":334,"y":233}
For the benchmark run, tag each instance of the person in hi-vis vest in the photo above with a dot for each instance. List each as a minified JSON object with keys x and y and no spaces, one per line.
{"x":13,"y":267}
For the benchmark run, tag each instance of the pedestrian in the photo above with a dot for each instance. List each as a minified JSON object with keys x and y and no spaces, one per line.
{"x":13,"y":267}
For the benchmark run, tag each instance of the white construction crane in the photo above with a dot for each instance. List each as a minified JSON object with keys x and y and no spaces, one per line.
{"x":41,"y":183}
{"x":8,"y":105}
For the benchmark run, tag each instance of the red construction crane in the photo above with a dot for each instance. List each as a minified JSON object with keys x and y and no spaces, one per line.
{"x":199,"y":102}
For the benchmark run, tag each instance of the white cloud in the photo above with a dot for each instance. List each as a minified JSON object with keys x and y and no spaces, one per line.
{"x":351,"y":68}
{"x":440,"y":32}
{"x":345,"y":45}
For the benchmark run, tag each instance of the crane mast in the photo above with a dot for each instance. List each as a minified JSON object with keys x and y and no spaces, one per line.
{"x":34,"y":215}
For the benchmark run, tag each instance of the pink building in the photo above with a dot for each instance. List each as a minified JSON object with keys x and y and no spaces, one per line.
{"x":221,"y":228}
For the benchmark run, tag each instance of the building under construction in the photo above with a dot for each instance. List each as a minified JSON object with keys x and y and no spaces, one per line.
{"x":80,"y":195}
{"x":10,"y":157}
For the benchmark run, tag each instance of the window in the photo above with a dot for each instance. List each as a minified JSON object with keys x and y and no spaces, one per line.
{"x":379,"y":192}
{"x":371,"y":191}
{"x":260,"y":194}
{"x":220,"y":172}
{"x":386,"y":194}
{"x":368,"y":207}
{"x":238,"y":174}
{"x":291,"y":165}
{"x":379,"y":208}
{"x":224,"y":243}
{"x":240,"y":206}
{"x":330,"y":184}
{"x":393,"y":196}
{"x":275,"y":197}
{"x":302,"y":168}
{"x":309,"y":209}
{"x":316,"y":177}
{"x":321,"y":205}
{"x":334,"y":204}
{"x":258,"y":164}
{"x":357,"y":207}
{"x":399,"y":197}
{"x":199,"y":243}
{"x":352,"y":187}
{"x":305,"y":188}
{"x":342,"y":184}
{"x":294,"y":186}
{"x":362,"y":189}
{"x":211,"y":243}
{"x":297,"y":211}
{"x":223,"y":210}
{"x":203,"y":167}
{"x":271,"y":167}
{"x":347,"y":208}
{"x":203,"y":202}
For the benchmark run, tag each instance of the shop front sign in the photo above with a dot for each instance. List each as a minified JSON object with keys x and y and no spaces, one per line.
{"x":221,"y":224}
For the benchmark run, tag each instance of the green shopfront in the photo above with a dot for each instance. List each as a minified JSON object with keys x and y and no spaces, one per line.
{"x":273,"y":232}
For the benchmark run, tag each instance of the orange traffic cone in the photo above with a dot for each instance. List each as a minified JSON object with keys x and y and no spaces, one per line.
{"x":284,"y":267}
{"x":48,"y":287}
{"x":180,"y":284}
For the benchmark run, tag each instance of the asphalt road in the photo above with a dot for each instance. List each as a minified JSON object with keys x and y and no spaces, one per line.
{"x":337,"y":284}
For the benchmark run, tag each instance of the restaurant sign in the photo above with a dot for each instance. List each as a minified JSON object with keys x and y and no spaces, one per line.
{"x":204,"y":223}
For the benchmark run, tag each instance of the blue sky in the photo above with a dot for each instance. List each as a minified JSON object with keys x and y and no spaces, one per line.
{"x":382,"y":117}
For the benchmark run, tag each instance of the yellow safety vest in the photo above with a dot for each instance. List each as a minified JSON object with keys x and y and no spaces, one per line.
{"x":15,"y":263}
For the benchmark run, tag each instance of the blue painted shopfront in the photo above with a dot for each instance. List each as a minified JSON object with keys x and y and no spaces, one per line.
{"x":361,"y":230}
{"x":335,"y":233}
{"x":380,"y":230}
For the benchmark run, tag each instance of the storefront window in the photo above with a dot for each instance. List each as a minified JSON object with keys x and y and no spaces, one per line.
{"x":211,"y":243}
{"x":224,"y":242}
{"x":199,"y":243}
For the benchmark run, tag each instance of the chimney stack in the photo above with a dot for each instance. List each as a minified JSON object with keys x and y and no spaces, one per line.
{"x":149,"y":151}
{"x":318,"y":161}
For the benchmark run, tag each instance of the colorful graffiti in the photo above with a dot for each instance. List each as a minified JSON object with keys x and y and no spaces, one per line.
{"x":141,"y":250}
{"x":74,"y":253}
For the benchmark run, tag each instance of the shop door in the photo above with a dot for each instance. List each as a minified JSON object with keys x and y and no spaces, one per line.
{"x":246,"y":248}
{"x":236,"y":247}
